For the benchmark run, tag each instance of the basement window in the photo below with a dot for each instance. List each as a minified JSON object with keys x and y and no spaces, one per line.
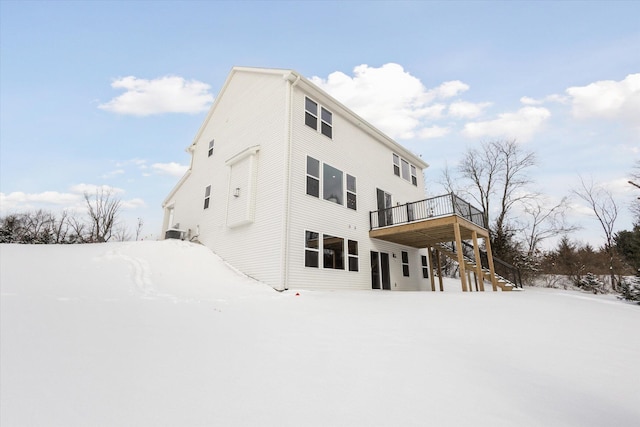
{"x":405,"y":264}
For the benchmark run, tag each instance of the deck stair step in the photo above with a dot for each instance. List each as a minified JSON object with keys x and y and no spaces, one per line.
{"x":470,"y":265}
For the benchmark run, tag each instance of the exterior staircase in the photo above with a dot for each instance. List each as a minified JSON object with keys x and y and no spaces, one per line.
{"x":470,"y":265}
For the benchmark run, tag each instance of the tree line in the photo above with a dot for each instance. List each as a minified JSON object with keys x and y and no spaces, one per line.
{"x":520,"y":219}
{"x":99,"y":223}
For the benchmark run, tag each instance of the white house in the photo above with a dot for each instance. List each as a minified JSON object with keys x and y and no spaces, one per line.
{"x":290,"y":186}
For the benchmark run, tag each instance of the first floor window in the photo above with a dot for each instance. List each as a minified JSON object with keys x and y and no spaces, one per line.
{"x":311,"y":250}
{"x":333,"y":252}
{"x":405,"y":264}
{"x":352,"y":248}
{"x":332,"y":189}
{"x":351,"y":192}
{"x":425,"y":267}
{"x":207,"y":196}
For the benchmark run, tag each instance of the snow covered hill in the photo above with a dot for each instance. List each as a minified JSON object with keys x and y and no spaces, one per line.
{"x":166,"y":334}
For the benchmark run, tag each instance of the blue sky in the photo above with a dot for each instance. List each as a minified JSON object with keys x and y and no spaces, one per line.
{"x":111,"y":93}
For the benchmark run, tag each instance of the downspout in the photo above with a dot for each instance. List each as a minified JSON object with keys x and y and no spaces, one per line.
{"x":291,"y":83}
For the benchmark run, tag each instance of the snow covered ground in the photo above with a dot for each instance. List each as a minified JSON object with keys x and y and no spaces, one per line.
{"x":165,"y":334}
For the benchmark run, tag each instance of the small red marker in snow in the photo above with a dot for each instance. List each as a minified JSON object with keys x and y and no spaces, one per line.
{"x":297,"y":294}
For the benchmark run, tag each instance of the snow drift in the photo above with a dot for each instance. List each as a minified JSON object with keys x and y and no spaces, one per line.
{"x":166,"y":334}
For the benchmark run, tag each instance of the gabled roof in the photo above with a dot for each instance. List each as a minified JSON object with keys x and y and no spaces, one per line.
{"x":311,"y":88}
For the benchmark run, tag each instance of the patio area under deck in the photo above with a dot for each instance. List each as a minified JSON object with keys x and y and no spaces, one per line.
{"x":430,"y":222}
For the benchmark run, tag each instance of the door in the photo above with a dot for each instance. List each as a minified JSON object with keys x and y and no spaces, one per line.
{"x":380,"y":275}
{"x":385,"y":213}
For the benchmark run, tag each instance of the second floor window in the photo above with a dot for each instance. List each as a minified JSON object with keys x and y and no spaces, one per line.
{"x":210,"y":152}
{"x":207,"y":196}
{"x":405,"y":170}
{"x":313,"y":112}
{"x":333,"y":184}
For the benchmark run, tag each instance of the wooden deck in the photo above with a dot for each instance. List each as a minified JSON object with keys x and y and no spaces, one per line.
{"x":426,"y":233}
{"x":429,"y":233}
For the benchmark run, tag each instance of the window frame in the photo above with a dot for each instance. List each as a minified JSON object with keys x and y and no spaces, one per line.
{"x":405,"y":263}
{"x":309,"y":113}
{"x":337,"y":255}
{"x":321,"y":120}
{"x":207,"y":197}
{"x":353,"y":256}
{"x":396,"y":164}
{"x":210,"y":151}
{"x":326,"y":124}
{"x":326,"y":196}
{"x":352,"y":193}
{"x":310,"y":250}
{"x":414,"y":175}
{"x":311,"y":177}
{"x":425,"y":267}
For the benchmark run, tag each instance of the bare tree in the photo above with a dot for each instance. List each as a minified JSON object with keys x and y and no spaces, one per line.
{"x":635,"y":181}
{"x":497,"y":174}
{"x":103,"y":209}
{"x":543,"y":222}
{"x":600,"y":201}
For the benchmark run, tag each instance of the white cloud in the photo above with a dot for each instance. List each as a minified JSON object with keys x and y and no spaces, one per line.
{"x":530,"y":101}
{"x":57,"y":201}
{"x":449,"y":89}
{"x":467,"y":110}
{"x":390,"y":98}
{"x":433,"y":132}
{"x":172,"y":169}
{"x":28,"y":201}
{"x":608,"y":99}
{"x":522,"y":124}
{"x":169,"y":94}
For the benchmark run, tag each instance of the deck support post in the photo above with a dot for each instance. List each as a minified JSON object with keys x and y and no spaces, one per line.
{"x":431,"y":269}
{"x":439,"y":270}
{"x":492,"y":271}
{"x":463,"y":275}
{"x":476,"y":252}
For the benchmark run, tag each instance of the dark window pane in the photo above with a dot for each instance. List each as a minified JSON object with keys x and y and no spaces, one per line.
{"x":396,"y":160}
{"x":206,"y":203}
{"x":313,"y":187}
{"x":325,"y":116}
{"x":351,"y":201}
{"x":327,"y":130}
{"x":210,"y":152}
{"x":353,"y":247}
{"x":405,"y":257}
{"x":311,"y":106}
{"x":313,"y":167}
{"x":311,"y":121}
{"x":332,"y":184}
{"x":311,"y":259}
{"x":405,"y":270}
{"x":425,"y":273}
{"x":414,"y":180}
{"x":311,"y":239}
{"x":351,"y":183}
{"x":353,"y":263}
{"x":424,"y":260}
{"x":396,"y":170}
{"x":333,"y":251}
